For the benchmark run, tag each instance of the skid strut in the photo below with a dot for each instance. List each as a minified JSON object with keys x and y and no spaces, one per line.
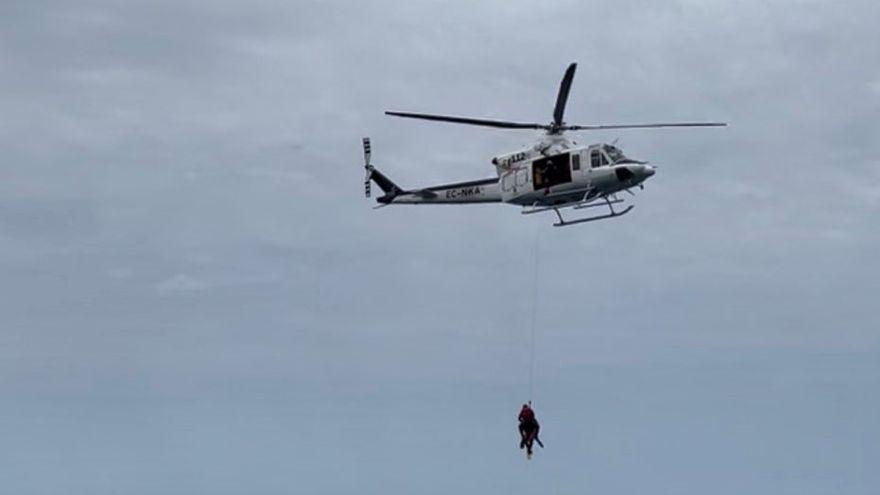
{"x":610,"y":203}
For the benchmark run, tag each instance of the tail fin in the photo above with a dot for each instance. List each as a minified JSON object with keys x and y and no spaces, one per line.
{"x":388,"y":187}
{"x":384,"y":182}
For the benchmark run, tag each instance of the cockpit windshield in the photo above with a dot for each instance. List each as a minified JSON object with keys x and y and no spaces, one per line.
{"x":614,"y":154}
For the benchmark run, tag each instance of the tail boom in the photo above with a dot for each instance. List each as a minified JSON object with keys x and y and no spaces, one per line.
{"x":477,"y":191}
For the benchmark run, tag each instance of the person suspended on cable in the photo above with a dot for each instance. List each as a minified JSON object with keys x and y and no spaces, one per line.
{"x":528,"y":428}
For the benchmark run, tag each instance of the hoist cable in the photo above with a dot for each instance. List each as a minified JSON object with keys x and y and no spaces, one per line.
{"x":535,"y":265}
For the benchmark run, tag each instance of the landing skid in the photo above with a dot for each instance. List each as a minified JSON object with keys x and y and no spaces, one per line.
{"x":562,"y":222}
{"x":592,"y":202}
{"x":577,"y":205}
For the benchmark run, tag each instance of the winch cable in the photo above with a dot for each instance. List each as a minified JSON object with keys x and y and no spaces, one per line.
{"x":534,"y":319}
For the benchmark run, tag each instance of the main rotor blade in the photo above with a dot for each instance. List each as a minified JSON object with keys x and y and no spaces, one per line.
{"x":503,"y":124}
{"x":562,"y":97}
{"x":641,"y":126}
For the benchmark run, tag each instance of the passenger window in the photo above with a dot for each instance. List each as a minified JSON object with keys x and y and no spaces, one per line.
{"x":595,"y":158}
{"x":575,"y":162}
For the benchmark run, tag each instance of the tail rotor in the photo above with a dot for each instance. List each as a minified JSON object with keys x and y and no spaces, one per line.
{"x":367,"y":167}
{"x":388,"y":187}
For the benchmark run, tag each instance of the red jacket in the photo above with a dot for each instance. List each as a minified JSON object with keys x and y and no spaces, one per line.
{"x":526,"y":415}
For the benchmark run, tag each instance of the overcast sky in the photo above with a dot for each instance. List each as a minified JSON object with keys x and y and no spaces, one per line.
{"x":196,"y":297}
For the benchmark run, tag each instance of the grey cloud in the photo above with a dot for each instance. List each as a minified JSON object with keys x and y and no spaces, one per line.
{"x":181,"y":283}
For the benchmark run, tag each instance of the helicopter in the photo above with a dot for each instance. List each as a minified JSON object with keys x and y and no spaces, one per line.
{"x":553,"y":174}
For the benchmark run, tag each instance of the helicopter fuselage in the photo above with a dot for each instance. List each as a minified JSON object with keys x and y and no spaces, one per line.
{"x":556,"y":174}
